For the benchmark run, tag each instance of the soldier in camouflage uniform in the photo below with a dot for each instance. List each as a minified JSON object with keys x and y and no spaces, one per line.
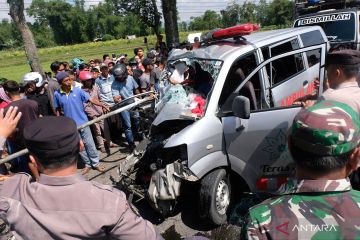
{"x":319,"y":203}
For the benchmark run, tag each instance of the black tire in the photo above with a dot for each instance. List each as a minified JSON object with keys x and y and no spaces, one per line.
{"x":211,"y":207}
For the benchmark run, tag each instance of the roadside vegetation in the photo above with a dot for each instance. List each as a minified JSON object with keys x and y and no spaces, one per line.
{"x":63,"y":31}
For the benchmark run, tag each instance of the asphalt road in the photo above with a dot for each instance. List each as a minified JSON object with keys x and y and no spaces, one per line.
{"x":185,"y":222}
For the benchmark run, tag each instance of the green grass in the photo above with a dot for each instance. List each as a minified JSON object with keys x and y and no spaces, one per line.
{"x":14,"y":63}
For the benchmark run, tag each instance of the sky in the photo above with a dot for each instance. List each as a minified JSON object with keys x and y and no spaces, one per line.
{"x":186,"y":8}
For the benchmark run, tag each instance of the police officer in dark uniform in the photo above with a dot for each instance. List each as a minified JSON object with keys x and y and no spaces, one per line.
{"x":63,"y":205}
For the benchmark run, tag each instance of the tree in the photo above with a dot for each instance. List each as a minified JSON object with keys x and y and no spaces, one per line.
{"x":18,"y":16}
{"x":145,"y":9}
{"x":58,"y":15}
{"x":231,"y":15}
{"x":262,"y":13}
{"x":183,"y":26}
{"x":10,"y":36}
{"x":170,"y":18}
{"x":209,"y":20}
{"x":248,"y":12}
{"x":281,"y":12}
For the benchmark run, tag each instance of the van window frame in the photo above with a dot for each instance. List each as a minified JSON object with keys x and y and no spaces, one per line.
{"x":261,"y":65}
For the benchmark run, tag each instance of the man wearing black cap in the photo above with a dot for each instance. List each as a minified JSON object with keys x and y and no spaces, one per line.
{"x":63,"y":205}
{"x":342,"y":70}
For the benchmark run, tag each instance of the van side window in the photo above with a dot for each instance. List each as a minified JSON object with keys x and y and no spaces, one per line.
{"x":311,"y":38}
{"x":284,"y":68}
{"x":237,"y":73}
{"x":313,"y":57}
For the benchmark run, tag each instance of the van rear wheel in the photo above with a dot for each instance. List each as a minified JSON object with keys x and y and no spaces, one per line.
{"x":215,"y":194}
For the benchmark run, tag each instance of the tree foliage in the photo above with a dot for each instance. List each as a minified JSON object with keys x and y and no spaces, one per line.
{"x":145,"y":9}
{"x":68,"y":22}
{"x":73,"y":24}
{"x":277,"y":12}
{"x":209,"y":20}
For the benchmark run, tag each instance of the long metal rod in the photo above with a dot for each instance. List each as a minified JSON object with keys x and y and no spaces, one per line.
{"x":26,"y":151}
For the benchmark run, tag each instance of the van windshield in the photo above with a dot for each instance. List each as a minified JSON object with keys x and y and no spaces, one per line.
{"x":338,"y":27}
{"x":187,"y":85}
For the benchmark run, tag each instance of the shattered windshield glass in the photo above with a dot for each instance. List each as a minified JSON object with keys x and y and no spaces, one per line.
{"x":185,"y":87}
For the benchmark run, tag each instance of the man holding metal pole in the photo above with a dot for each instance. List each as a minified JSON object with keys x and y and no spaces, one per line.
{"x":122,"y":88}
{"x":70,"y":100}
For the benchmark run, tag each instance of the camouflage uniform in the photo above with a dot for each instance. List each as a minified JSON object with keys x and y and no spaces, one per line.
{"x":309,"y":209}
{"x":314,"y":209}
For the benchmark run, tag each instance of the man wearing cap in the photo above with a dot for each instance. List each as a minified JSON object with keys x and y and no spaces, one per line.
{"x":71,"y":101}
{"x":146,"y":81}
{"x":342,"y":70}
{"x":63,"y":205}
{"x":319,"y":203}
{"x":125,"y":87}
{"x":341,"y":85}
{"x":94,"y":111}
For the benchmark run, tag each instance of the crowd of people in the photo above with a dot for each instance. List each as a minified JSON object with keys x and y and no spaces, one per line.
{"x":83,"y":91}
{"x":44,"y":113}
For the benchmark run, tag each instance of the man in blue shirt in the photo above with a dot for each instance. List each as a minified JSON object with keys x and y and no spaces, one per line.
{"x":71,"y":101}
{"x":122,"y":88}
{"x":103,"y":82}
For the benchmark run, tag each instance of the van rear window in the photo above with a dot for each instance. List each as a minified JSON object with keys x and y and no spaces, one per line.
{"x":338,"y":27}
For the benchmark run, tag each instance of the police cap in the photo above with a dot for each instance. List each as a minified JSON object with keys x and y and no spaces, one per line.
{"x":343,"y":57}
{"x":52,"y":137}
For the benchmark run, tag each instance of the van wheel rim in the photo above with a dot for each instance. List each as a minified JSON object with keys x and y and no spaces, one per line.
{"x":222,"y":197}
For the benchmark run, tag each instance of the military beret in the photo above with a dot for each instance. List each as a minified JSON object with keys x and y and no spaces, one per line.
{"x":61,"y":76}
{"x":52,"y":137}
{"x":328,"y":128}
{"x":343,"y":57}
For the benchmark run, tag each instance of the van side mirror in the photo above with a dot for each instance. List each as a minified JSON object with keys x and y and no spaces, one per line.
{"x":241,"y":107}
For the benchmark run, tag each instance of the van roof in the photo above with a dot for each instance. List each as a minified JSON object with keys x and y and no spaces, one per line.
{"x":219,"y":49}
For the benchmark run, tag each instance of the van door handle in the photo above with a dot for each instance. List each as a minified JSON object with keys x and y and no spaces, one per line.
{"x":306,"y":82}
{"x":238,"y":129}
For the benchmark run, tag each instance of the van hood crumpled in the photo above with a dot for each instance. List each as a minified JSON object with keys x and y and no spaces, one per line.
{"x":171,"y":111}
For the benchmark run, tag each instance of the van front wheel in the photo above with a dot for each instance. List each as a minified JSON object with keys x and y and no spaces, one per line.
{"x":215,"y":194}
